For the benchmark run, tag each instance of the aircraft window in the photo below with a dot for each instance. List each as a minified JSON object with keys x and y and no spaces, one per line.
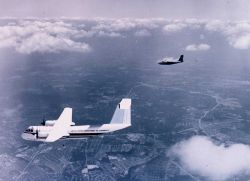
{"x":29,"y":130}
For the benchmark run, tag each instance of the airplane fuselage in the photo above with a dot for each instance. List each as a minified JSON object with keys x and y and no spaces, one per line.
{"x":40,"y":133}
{"x":168,"y":63}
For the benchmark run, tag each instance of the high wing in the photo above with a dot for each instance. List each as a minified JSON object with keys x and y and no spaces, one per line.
{"x":61,"y":126}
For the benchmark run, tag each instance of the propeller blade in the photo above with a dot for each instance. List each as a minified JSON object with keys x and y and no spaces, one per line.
{"x":43,"y":122}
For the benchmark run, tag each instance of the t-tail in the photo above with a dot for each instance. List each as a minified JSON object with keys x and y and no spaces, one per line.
{"x":122,"y":114}
{"x":181,"y":58}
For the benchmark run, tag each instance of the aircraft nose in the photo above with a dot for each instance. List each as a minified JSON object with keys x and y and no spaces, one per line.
{"x":24,"y":135}
{"x":27,"y":136}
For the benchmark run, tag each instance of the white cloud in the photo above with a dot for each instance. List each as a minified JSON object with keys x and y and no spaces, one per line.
{"x":240,"y":42}
{"x":84,"y":34}
{"x":201,"y":156}
{"x":108,"y":34}
{"x":142,"y":33}
{"x":125,"y":24}
{"x":198,"y":47}
{"x":214,"y":25}
{"x":7,"y":42}
{"x":119,"y":27}
{"x":236,"y":27}
{"x":42,"y":42}
{"x":28,"y":36}
{"x":20,"y":34}
{"x":40,"y":36}
{"x":237,"y":33}
{"x":178,"y":25}
{"x":174,"y":27}
{"x":115,"y":25}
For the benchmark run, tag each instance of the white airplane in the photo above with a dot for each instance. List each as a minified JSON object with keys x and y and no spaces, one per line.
{"x":64,"y":128}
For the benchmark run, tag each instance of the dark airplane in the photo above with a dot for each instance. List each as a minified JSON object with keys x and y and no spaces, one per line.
{"x":171,"y":61}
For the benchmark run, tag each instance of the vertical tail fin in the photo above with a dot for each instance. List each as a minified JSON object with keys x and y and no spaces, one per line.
{"x":122,"y":113}
{"x":181,"y":58}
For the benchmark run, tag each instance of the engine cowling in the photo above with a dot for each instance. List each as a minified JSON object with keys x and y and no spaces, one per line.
{"x":42,"y":135}
{"x":50,"y":123}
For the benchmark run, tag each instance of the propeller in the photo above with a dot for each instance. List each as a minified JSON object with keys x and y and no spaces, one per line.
{"x":37,"y":134}
{"x":43,"y":122}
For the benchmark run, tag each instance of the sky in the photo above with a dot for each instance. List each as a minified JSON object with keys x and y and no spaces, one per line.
{"x":178,"y":9}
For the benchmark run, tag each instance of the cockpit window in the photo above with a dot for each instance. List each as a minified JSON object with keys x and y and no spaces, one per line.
{"x":29,"y":130}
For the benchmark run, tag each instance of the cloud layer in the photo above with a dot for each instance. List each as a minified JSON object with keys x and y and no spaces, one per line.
{"x":40,"y":36}
{"x":237,"y":33}
{"x":201,"y":156}
{"x":52,"y":36}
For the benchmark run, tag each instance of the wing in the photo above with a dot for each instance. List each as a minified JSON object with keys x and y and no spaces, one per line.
{"x":61,"y":126}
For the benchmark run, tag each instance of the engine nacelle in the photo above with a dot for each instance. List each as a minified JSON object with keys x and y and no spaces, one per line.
{"x":42,"y":135}
{"x":50,"y":123}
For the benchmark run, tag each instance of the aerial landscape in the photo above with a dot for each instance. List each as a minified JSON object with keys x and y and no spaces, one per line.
{"x":190,"y":120}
